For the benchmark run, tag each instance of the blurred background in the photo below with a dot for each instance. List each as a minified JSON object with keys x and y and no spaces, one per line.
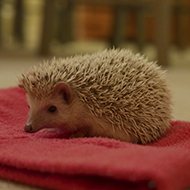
{"x":34,"y":30}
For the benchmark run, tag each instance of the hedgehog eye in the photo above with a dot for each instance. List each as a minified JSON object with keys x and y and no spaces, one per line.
{"x":28,"y":106}
{"x":52,"y":109}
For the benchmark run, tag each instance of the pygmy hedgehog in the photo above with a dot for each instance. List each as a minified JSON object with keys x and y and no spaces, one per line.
{"x":111,"y":93}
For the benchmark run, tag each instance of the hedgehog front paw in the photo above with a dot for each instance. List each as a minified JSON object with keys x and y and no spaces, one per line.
{"x":51,"y":130}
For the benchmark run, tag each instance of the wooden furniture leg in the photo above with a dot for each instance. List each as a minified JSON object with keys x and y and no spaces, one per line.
{"x":47,"y":28}
{"x":162,"y":10}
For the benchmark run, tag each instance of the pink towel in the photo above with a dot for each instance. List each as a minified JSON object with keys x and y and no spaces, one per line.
{"x":49,"y":160}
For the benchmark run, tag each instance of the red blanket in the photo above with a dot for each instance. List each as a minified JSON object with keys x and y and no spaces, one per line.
{"x":48,"y":160}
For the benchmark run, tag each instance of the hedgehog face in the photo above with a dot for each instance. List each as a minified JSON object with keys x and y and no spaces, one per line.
{"x":50,"y":112}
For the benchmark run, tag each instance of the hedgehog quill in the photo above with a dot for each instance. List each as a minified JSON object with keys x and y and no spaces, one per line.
{"x":111,"y":93}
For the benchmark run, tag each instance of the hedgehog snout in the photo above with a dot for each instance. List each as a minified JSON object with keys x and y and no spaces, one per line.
{"x":28,"y":128}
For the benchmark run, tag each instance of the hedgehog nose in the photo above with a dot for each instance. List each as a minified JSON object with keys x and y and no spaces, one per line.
{"x":28,"y":128}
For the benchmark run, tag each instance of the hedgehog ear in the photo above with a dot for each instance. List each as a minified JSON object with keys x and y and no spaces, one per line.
{"x":64,"y":89}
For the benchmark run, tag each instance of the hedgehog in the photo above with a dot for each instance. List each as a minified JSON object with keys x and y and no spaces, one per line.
{"x":112,"y":93}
